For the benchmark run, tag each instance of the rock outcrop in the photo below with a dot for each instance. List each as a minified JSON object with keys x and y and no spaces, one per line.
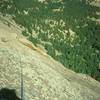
{"x":43,"y":77}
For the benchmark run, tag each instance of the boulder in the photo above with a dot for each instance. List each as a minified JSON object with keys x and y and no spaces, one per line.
{"x":37,"y":76}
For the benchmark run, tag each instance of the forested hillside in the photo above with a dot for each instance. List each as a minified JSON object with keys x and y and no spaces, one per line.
{"x":68,"y":29}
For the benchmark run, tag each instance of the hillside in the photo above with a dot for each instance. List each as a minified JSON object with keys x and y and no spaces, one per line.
{"x":68,"y":30}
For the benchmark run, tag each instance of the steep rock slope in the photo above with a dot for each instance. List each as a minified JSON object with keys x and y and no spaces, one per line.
{"x":43,"y":77}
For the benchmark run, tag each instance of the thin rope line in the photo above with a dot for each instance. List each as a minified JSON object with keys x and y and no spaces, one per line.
{"x":22,"y":83}
{"x":21,"y":80}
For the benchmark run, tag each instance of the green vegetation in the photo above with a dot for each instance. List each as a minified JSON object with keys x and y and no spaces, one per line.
{"x":64,"y":27}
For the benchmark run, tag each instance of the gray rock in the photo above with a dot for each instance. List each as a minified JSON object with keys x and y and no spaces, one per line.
{"x":43,"y":77}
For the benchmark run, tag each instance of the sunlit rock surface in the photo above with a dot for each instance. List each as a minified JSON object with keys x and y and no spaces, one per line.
{"x":43,"y":77}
